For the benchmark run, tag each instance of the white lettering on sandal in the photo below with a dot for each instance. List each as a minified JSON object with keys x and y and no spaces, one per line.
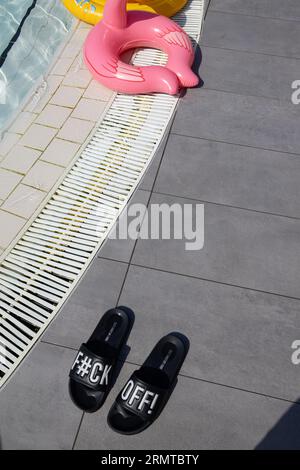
{"x":135,"y":395}
{"x":99,"y":378}
{"x":127,"y":390}
{"x":97,"y":373}
{"x":145,"y":398}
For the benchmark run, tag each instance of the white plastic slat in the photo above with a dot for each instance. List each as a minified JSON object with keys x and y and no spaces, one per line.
{"x":53,"y":281}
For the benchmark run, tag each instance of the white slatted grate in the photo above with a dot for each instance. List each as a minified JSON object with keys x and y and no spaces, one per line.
{"x":47,"y":262}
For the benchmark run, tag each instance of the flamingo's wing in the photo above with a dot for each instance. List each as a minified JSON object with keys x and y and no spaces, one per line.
{"x":177,"y":37}
{"x":115,"y":68}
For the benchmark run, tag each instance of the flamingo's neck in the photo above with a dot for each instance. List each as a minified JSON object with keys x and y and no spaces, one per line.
{"x":115,"y":13}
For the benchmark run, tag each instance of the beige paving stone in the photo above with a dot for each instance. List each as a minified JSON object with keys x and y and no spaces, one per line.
{"x":62,"y":66}
{"x":83,"y":65}
{"x":75,"y":44}
{"x":60,"y":152}
{"x":78,"y":78}
{"x":44,"y":93}
{"x":78,"y":62}
{"x":8,"y":182}
{"x":96,"y":91}
{"x":10,"y":226}
{"x":8,"y":141}
{"x":38,"y":137}
{"x":20,"y":159}
{"x":76,"y":130}
{"x":43,"y":176}
{"x":67,"y":96}
{"x":83,"y":25}
{"x":23,"y":121}
{"x":53,"y":116}
{"x":90,"y":110}
{"x":24,"y":201}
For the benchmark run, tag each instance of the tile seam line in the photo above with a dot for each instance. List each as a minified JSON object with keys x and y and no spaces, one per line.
{"x":284,"y":152}
{"x":190,"y":377}
{"x":206,"y":46}
{"x":289,"y":20}
{"x":202,"y":279}
{"x":201,"y":44}
{"x":207,"y":8}
{"x":168,"y":131}
{"x":245,"y":94}
{"x":271,"y":98}
{"x":204,"y":201}
{"x":19,"y":173}
{"x":78,"y":430}
{"x":220,"y":384}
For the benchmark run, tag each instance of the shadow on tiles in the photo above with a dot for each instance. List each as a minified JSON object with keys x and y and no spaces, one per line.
{"x":285,"y":434}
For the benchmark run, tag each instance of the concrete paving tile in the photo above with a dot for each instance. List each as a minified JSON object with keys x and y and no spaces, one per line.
{"x":77,"y":78}
{"x":97,"y":292}
{"x":23,"y":201}
{"x":230,"y":174}
{"x":289,"y":9}
{"x":244,"y":120}
{"x":75,"y":44}
{"x":43,"y":176}
{"x":121,"y":250}
{"x":150,"y":175}
{"x":244,"y":248}
{"x":53,"y":116}
{"x":253,"y":34}
{"x":20,"y":159}
{"x":8,"y":182}
{"x":76,"y":130}
{"x":96,"y":91}
{"x":43,"y":94}
{"x":83,"y":25}
{"x":8,"y":141}
{"x":22,"y":122}
{"x":45,"y":417}
{"x":201,"y":416}
{"x":60,"y":152}
{"x":248,"y":73}
{"x":238,"y":337}
{"x":91,"y":110}
{"x":66,"y":96}
{"x":62,"y":66}
{"x":38,"y":137}
{"x":12,"y":224}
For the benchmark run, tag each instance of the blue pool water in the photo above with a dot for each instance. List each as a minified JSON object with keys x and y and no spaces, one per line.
{"x":26,"y":59}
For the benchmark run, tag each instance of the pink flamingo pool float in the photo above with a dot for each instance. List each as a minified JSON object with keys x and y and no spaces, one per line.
{"x":120,"y":31}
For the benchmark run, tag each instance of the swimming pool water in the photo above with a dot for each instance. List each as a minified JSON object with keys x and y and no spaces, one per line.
{"x":26,"y":60}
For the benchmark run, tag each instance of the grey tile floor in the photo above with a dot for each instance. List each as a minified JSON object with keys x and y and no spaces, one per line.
{"x":234,"y":145}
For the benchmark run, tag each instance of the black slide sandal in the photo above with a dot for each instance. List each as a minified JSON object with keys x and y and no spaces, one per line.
{"x":147,"y":391}
{"x":93,"y":370}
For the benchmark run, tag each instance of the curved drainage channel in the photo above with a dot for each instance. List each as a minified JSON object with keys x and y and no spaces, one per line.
{"x":45,"y":265}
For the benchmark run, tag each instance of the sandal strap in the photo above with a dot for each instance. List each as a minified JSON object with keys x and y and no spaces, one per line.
{"x":141,"y":398}
{"x":91,"y":370}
